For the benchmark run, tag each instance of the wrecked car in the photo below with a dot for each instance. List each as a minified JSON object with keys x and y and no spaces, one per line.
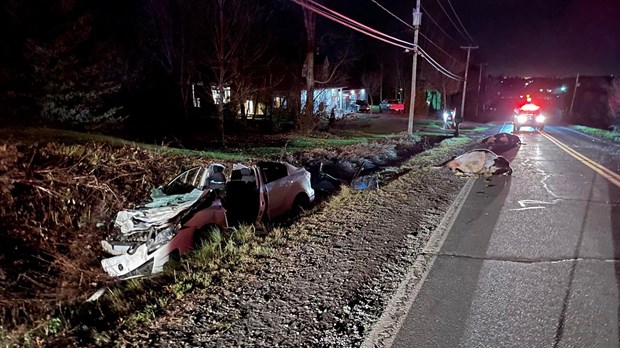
{"x":182,"y":213}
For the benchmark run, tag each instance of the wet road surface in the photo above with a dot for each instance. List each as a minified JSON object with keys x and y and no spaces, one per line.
{"x":531,"y":260}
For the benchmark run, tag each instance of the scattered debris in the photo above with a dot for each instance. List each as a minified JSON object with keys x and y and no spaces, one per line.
{"x":183,"y":213}
{"x":323,"y":184}
{"x":479,"y":162}
{"x":97,"y":295}
{"x":366,"y":182}
{"x":501,"y":141}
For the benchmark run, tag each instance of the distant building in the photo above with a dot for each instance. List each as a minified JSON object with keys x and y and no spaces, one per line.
{"x":340,"y":99}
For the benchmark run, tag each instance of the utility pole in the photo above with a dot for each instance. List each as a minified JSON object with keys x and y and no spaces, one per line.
{"x":572,"y":102}
{"x":462,"y":117}
{"x":486,"y":93}
{"x":417,"y":20}
{"x":479,"y":85}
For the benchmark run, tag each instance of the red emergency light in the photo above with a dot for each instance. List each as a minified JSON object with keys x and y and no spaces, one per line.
{"x":530,"y":107}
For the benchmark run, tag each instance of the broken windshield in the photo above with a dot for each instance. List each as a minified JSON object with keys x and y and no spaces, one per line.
{"x":186,"y":182}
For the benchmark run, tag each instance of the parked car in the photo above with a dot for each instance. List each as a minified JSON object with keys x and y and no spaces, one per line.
{"x":391,"y":105}
{"x":362,"y":106}
{"x":182,"y":213}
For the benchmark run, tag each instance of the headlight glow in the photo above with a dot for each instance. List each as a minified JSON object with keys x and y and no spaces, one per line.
{"x":522,"y":119}
{"x":540,"y":118}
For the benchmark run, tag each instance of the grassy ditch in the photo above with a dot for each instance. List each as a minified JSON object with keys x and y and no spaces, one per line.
{"x":229,"y":255}
{"x":600,"y":133}
{"x":242,"y":149}
{"x":68,"y":137}
{"x":301,"y":144}
{"x":59,"y":202}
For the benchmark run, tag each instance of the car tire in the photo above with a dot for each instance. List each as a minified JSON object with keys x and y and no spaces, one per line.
{"x":300,"y":204}
{"x":516,"y":129}
{"x":204,"y":234}
{"x":541,"y":127}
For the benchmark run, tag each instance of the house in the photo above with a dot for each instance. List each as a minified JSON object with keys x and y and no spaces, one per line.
{"x":340,"y":99}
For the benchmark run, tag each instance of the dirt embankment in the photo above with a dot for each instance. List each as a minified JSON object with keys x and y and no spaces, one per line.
{"x":332,"y":279}
{"x":58,"y":201}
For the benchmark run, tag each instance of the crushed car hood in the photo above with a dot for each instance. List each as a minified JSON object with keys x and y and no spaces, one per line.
{"x":156,"y":214}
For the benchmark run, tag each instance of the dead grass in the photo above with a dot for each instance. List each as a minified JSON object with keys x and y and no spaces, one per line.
{"x":57,"y":204}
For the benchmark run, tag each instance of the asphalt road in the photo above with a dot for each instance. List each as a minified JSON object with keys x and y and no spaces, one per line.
{"x":532,"y":260}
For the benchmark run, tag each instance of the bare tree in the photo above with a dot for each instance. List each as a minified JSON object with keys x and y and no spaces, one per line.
{"x":372,"y":82}
{"x":381,"y":63}
{"x":447,"y":58}
{"x":173,"y":26}
{"x":613,"y":103}
{"x":438,"y":81}
{"x":396,"y":74}
{"x":232,"y":51}
{"x":305,"y":119}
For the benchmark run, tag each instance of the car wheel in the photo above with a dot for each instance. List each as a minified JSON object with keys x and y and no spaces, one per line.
{"x":541,"y":127}
{"x":205,"y":234}
{"x":300,"y":204}
{"x":516,"y":129}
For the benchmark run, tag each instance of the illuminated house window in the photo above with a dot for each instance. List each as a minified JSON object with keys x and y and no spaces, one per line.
{"x":278,"y":102}
{"x":249,"y":107}
{"x":217,"y":97}
{"x":195,"y":97}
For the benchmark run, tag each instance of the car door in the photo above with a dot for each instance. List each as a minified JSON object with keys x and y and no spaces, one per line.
{"x":278,"y":185}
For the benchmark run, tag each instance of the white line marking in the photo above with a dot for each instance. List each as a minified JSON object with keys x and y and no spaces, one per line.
{"x":501,"y":130}
{"x":385,"y":329}
{"x":526,"y":208}
{"x":524,"y":202}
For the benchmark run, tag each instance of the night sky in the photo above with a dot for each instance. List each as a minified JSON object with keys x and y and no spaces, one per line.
{"x":550,"y":37}
{"x":516,"y":37}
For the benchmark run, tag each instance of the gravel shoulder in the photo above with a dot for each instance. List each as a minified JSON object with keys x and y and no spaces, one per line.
{"x":333,"y":277}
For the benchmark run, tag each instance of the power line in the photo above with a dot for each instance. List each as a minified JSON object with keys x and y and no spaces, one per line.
{"x":393,"y":15}
{"x":451,"y":21}
{"x":324,"y":8}
{"x":342,"y":19}
{"x":439,"y":70}
{"x":410,"y":26}
{"x":439,"y":26}
{"x":337,"y":20}
{"x":439,"y":47}
{"x":435,"y":64}
{"x":461,"y":23}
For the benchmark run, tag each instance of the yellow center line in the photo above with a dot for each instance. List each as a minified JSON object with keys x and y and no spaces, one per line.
{"x":606,"y":173}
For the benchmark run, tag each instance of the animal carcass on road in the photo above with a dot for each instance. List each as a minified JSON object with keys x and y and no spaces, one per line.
{"x":502,"y":141}
{"x":479,"y":162}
